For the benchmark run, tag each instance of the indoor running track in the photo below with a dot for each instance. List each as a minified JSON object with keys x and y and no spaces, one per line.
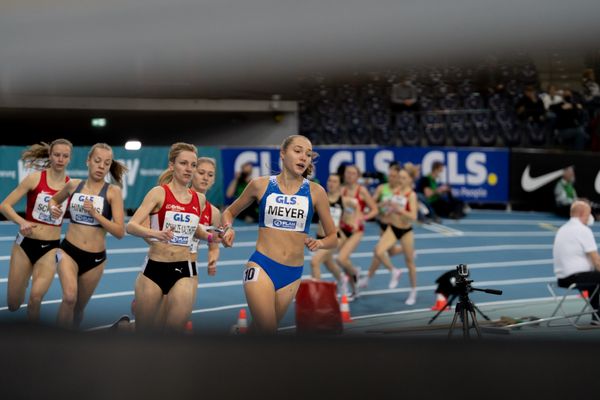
{"x":511,"y":251}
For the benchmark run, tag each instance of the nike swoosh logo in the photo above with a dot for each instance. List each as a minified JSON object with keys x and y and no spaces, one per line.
{"x":597,"y":183}
{"x":529,"y":183}
{"x":98,"y":260}
{"x":43,"y":246}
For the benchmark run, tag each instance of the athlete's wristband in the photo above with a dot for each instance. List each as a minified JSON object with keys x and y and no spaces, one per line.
{"x":209,"y":238}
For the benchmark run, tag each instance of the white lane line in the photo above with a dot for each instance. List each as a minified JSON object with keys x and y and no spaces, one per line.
{"x":237,"y":229}
{"x":138,"y":250}
{"x":503,"y":222}
{"x":507,"y":282}
{"x":444,"y":230}
{"x":471,"y":249}
{"x":222,"y":308}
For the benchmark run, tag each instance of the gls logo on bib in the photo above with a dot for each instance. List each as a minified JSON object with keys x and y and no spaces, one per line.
{"x":286,"y":212}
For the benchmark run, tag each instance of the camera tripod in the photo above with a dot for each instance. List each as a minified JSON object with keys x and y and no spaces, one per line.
{"x":465,"y":309}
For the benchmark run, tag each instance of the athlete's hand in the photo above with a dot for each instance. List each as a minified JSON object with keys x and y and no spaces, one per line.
{"x":26,"y":228}
{"x":215,"y":238}
{"x":56,"y":211}
{"x":313,"y":244}
{"x":165,"y":236}
{"x":212,"y":267}
{"x":88,"y":207}
{"x":228,"y":237}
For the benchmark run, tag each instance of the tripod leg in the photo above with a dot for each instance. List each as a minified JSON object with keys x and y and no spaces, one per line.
{"x":453,"y":324}
{"x":464,"y":315}
{"x":475,"y":324}
{"x":481,"y":313}
{"x":448,"y":304}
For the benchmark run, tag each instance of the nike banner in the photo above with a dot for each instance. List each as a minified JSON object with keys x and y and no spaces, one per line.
{"x":535,"y":172}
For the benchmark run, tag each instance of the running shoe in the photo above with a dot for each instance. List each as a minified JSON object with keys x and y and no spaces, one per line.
{"x":395,"y":278}
{"x":363,"y":282}
{"x":412,"y":298}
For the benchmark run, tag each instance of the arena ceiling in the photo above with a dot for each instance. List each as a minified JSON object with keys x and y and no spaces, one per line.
{"x":254,"y":48}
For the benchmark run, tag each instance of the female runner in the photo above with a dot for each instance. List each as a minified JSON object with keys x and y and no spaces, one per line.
{"x":286,"y":203}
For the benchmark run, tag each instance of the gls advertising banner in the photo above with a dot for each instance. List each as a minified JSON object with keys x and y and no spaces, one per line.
{"x":534,"y":174}
{"x":476,"y":175}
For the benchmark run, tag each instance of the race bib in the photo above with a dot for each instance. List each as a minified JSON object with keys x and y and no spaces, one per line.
{"x":401,"y":201}
{"x":183,"y":226}
{"x":41,"y":211}
{"x":285,"y":212}
{"x":336,"y":214}
{"x":79,"y":215}
{"x":251,"y":274}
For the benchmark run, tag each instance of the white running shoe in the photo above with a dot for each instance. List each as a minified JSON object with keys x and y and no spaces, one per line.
{"x":395,"y":278}
{"x":412,"y":298}
{"x":363,"y":282}
{"x":344,"y":287}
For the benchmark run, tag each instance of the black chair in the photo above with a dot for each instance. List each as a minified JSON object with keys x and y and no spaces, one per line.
{"x":408,"y":129}
{"x":486,"y":129}
{"x":461,"y":131}
{"x":508,"y":127}
{"x":434,"y":127}
{"x":473,"y":101}
{"x":449,"y":102}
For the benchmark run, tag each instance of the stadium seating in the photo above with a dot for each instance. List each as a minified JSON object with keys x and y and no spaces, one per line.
{"x":454,"y":108}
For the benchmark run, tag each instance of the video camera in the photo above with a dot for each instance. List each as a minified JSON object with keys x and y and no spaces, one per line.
{"x":455,"y":283}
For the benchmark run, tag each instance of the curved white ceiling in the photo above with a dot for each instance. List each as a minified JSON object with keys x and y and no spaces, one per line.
{"x":244,"y":48}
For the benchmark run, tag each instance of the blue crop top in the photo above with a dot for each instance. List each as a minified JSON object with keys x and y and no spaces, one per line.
{"x":291,"y":213}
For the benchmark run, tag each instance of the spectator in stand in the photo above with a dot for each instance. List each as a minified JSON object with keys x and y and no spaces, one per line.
{"x":530,"y":107}
{"x":551,"y":97}
{"x":569,"y":122}
{"x":591,"y":90}
{"x":405,"y":96}
{"x":236,"y":187}
{"x":591,"y":96}
{"x":439,"y":197}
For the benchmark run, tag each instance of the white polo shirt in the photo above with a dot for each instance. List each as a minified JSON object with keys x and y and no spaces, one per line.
{"x":571,"y":243}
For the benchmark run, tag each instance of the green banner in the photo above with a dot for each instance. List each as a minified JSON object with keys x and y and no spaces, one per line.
{"x":144,"y":167}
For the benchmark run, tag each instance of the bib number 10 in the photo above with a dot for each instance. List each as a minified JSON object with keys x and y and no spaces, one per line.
{"x":251,"y":274}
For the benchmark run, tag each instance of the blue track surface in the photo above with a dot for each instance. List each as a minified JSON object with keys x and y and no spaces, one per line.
{"x":507,"y":251}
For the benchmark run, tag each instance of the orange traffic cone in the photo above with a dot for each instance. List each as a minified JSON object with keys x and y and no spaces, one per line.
{"x":441,"y":303}
{"x":242,"y":323}
{"x":345,"y":310}
{"x":188,"y":327}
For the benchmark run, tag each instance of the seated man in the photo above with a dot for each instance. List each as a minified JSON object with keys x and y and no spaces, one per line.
{"x":236,"y":187}
{"x":564,"y":193}
{"x":575,"y":253}
{"x":439,"y":197}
